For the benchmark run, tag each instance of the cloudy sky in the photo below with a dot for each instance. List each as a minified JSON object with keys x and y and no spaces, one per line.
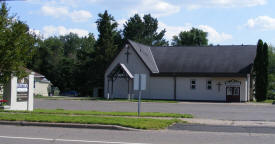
{"x":226,"y":21}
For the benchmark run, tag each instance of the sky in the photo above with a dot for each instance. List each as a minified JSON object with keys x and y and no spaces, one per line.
{"x":228,"y":22}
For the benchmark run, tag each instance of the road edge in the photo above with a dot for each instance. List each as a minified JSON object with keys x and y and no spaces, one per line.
{"x":67,"y":125}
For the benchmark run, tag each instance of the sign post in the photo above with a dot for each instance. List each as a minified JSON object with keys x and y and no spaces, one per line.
{"x":139,"y":85}
{"x":139,"y":102}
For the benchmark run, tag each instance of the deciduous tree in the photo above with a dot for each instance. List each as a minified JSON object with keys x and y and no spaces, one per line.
{"x":17,"y":45}
{"x":194,"y":37}
{"x":144,"y":31}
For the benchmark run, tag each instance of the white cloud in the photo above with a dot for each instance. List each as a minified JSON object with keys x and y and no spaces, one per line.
{"x":59,"y":12}
{"x":55,"y":11}
{"x":80,"y":16}
{"x":157,"y":8}
{"x":61,"y":30}
{"x":244,"y":3}
{"x":34,"y":31}
{"x":192,"y":4}
{"x":120,"y":23}
{"x":213,"y":36}
{"x":262,"y":23}
{"x":173,"y":30}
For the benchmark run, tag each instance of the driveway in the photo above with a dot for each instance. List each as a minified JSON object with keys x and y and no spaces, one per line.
{"x":221,"y":111}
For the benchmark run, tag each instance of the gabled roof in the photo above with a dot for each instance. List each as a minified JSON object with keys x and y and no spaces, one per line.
{"x":228,"y":60}
{"x":120,"y":69}
{"x":145,"y":53}
{"x":126,"y":70}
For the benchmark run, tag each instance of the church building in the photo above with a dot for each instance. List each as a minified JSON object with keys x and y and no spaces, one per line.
{"x":189,"y":73}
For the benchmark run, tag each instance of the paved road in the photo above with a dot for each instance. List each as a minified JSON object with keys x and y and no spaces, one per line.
{"x":229,"y":129}
{"x":47,"y":135}
{"x":222,"y":111}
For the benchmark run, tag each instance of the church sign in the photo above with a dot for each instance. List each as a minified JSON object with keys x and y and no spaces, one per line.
{"x":22,"y":87}
{"x":232,"y":83}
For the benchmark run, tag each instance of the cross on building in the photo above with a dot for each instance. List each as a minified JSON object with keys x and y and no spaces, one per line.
{"x":127,"y":53}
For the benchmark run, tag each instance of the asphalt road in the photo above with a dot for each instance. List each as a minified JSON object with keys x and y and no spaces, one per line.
{"x":229,"y":129}
{"x":221,"y":111}
{"x":50,"y":135}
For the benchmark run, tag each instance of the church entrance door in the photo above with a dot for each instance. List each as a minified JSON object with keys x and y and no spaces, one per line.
{"x":233,"y":94}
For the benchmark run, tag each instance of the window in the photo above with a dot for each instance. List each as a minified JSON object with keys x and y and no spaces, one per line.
{"x":236,"y":91}
{"x":209,"y":84}
{"x":193,"y":84}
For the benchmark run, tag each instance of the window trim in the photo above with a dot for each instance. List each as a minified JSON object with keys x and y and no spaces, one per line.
{"x":207,"y":84}
{"x":191,"y":84}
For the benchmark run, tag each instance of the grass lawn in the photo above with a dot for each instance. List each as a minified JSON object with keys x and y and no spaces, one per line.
{"x":62,"y":98}
{"x":265,"y":101}
{"x":145,"y":100}
{"x":138,"y":123}
{"x":99,"y":113}
{"x":100,"y":99}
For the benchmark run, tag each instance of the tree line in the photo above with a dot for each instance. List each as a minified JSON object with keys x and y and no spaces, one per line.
{"x":78,"y":63}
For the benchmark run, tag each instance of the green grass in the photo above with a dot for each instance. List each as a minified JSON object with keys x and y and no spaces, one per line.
{"x":62,"y":98}
{"x":99,"y":113}
{"x":135,"y":100}
{"x":100,"y":99}
{"x":265,"y":101}
{"x":145,"y":100}
{"x":138,"y":123}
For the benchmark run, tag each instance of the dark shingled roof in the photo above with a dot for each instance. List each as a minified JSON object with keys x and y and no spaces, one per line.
{"x":235,"y":60}
{"x":146,"y":56}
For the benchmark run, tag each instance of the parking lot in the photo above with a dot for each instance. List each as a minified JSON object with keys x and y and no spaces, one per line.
{"x":222,"y":111}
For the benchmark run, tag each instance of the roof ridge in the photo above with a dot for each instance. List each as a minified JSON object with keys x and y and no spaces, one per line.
{"x":203,"y":46}
{"x":146,"y":55}
{"x":154,"y":59}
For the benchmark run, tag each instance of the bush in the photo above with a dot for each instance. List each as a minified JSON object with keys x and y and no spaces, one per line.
{"x":271,"y":94}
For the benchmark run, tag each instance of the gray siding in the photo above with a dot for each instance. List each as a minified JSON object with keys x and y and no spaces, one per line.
{"x":184,"y":92}
{"x":162,"y":88}
{"x":135,"y":66}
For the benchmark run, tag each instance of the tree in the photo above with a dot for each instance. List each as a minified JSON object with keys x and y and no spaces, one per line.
{"x":17,"y":45}
{"x":48,"y":58}
{"x":261,"y":71}
{"x":271,"y":73}
{"x":72,"y":44}
{"x":144,"y":31}
{"x":85,"y":67}
{"x":265,"y":70}
{"x":194,"y":37}
{"x":106,"y":49}
{"x":67,"y":61}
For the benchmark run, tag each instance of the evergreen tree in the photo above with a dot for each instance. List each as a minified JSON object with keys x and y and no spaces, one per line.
{"x":144,"y":31}
{"x":106,"y":49}
{"x":194,"y":37}
{"x":265,"y":70}
{"x":261,"y":71}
